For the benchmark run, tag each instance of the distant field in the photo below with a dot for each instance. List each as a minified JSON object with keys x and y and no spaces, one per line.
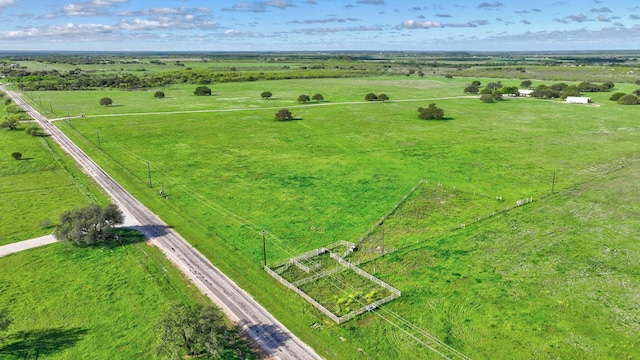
{"x":233,"y":171}
{"x":36,"y":190}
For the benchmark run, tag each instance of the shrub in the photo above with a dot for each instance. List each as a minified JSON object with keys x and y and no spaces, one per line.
{"x":159,"y":94}
{"x":202,"y":91}
{"x":105,"y":101}
{"x":431,"y":113}
{"x":371,"y":97}
{"x":303,"y":98}
{"x":616,"y":96}
{"x":266,"y":95}
{"x":486,"y":98}
{"x":629,"y":100}
{"x":32,"y":130}
{"x":16,"y":155}
{"x":283,"y":115}
{"x":383,"y":97}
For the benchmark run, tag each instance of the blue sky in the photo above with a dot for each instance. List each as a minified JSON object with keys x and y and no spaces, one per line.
{"x":319,"y":25}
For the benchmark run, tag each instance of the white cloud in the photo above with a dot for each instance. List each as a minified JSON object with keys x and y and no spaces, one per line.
{"x":415,"y":24}
{"x":90,"y":8}
{"x":5,"y":3}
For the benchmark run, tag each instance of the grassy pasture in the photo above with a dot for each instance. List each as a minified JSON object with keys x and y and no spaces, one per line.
{"x":37,"y":188}
{"x":230,"y":173}
{"x":89,"y":303}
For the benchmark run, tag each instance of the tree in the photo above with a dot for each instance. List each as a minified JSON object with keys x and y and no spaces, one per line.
{"x":448,"y":76}
{"x":191,"y":331}
{"x":509,"y":90}
{"x":266,"y":95}
{"x":32,"y":130}
{"x":617,"y":96}
{"x":16,"y":155}
{"x":526,"y":83}
{"x":496,"y":95}
{"x":636,"y":92}
{"x":569,"y":91}
{"x":304,"y":98}
{"x":159,"y":94}
{"x":486,"y":90}
{"x":105,"y":101}
{"x":629,"y":100}
{"x":471,"y":89}
{"x":89,"y":225}
{"x":494,"y":85}
{"x":10,"y":122}
{"x":430,"y":113}
{"x":383,"y":97}
{"x":476,"y":83}
{"x":202,"y":91}
{"x":317,"y":97}
{"x":283,"y":115}
{"x":607,"y":86}
{"x":371,"y":97}
{"x":486,"y":98}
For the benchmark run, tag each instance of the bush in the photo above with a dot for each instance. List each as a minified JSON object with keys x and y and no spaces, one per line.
{"x":431,"y":113}
{"x":383,"y":97}
{"x":486,"y":98}
{"x":629,"y":100}
{"x":303,"y":98}
{"x":471,"y":89}
{"x":105,"y":101}
{"x":159,"y":94}
{"x":283,"y":115}
{"x":16,"y":155}
{"x":371,"y":97}
{"x":32,"y":130}
{"x":266,"y":95}
{"x":317,"y":97}
{"x":202,"y":91}
{"x":616,"y":96}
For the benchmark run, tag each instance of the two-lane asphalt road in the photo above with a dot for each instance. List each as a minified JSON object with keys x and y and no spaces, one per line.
{"x":269,"y":333}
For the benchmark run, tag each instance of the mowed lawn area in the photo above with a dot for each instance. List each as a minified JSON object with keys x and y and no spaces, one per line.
{"x":333,"y":172}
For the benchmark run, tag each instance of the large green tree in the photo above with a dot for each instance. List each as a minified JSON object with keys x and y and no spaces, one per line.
{"x":304,"y":98}
{"x":191,"y":331}
{"x":89,"y":225}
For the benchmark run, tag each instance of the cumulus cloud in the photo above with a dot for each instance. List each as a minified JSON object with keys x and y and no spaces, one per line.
{"x":165,"y":11}
{"x":443,"y":15}
{"x":415,"y":24}
{"x":91,"y":8}
{"x":323,"y":21}
{"x":490,"y":6}
{"x":4,"y":3}
{"x":260,"y":7}
{"x":525,"y":22}
{"x":634,"y":17}
{"x":601,"y":10}
{"x":320,"y":31}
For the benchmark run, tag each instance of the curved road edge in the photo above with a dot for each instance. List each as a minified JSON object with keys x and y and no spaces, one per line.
{"x":273,"y":337}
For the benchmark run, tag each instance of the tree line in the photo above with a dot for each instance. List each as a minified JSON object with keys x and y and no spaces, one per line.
{"x":53,"y":80}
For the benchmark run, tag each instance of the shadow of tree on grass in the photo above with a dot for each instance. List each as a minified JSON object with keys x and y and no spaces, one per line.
{"x":41,"y":342}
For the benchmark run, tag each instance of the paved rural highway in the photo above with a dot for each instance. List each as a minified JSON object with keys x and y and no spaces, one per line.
{"x":276,"y":340}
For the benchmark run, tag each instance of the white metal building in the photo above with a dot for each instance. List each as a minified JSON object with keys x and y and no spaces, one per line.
{"x":578,"y":100}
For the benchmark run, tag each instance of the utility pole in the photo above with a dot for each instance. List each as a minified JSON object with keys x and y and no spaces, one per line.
{"x":264,"y":248}
{"x":98,"y":133}
{"x":149,"y":171}
{"x":382,"y":225}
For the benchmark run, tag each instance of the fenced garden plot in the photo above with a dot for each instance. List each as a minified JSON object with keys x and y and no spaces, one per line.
{"x":334,"y":286}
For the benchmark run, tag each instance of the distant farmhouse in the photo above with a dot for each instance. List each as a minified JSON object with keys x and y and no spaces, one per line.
{"x":578,"y":100}
{"x":524,"y":92}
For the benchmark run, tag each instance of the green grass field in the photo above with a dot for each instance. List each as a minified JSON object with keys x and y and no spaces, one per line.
{"x":537,"y":281}
{"x":90,"y":303}
{"x":34,"y":191}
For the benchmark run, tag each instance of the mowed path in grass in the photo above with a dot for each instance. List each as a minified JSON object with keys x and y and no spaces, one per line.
{"x":310,"y":104}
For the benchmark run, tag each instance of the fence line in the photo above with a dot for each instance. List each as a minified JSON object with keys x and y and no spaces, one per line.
{"x":318,"y":306}
{"x":393,"y":209}
{"x":365,"y":274}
